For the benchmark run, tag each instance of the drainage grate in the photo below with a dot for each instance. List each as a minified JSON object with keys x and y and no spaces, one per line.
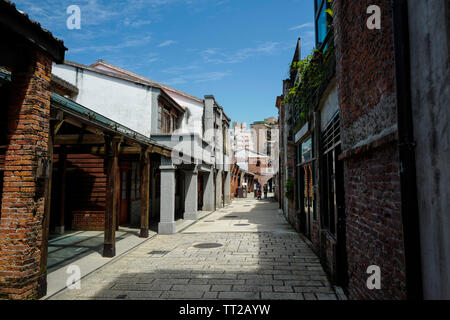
{"x":230,"y":217}
{"x":242,"y":224}
{"x":159,"y":252}
{"x":122,"y":296}
{"x":210,"y":221}
{"x":208,"y":245}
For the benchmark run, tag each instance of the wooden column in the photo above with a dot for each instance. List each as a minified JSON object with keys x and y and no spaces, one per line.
{"x":111,"y":164}
{"x":145,"y":192}
{"x":47,"y":185}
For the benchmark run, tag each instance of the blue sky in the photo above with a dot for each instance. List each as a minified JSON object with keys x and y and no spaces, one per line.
{"x":237,"y":50}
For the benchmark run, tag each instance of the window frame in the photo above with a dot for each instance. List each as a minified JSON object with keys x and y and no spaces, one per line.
{"x":318,"y":10}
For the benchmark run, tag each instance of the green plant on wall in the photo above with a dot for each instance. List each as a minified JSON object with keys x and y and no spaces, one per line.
{"x":310,"y":73}
{"x":290,"y":189}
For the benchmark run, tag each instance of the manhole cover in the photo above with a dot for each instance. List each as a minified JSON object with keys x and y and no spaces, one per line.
{"x":242,"y":224}
{"x":159,"y":252}
{"x":208,"y":245}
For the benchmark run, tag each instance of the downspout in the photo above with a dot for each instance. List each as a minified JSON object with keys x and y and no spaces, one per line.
{"x":406,"y":148}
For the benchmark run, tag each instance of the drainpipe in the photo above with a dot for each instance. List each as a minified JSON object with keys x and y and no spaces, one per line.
{"x":406,"y":147}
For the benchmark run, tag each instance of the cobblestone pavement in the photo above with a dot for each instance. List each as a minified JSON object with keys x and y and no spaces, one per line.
{"x":259,"y":257}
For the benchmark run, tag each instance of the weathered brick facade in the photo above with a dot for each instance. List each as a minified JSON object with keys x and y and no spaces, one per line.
{"x":26,"y":169}
{"x":366,"y":82}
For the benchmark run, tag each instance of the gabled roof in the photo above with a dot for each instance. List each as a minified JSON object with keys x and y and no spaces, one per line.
{"x":20,"y":23}
{"x":99,"y":64}
{"x":123,"y":76}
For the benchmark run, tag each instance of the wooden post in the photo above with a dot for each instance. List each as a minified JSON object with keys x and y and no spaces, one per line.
{"x":111,"y":164}
{"x":42,"y":278}
{"x":145,"y":192}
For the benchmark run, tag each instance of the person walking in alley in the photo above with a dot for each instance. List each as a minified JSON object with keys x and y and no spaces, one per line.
{"x":265,"y":191}
{"x":258,"y":191}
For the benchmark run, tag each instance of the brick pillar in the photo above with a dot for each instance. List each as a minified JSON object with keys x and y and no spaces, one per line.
{"x":25,"y":179}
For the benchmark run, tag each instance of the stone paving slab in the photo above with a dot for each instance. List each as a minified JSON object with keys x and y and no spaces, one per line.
{"x":265,"y":260}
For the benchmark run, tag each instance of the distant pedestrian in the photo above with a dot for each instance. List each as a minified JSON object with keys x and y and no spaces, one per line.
{"x":258,"y":191}
{"x":265,"y":191}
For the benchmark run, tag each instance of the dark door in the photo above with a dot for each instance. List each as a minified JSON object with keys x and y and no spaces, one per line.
{"x":333,"y":200}
{"x":200,"y":191}
{"x":223,"y":188}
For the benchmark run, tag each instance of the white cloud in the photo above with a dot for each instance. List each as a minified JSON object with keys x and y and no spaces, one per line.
{"x":121,"y":45}
{"x":302,"y":26}
{"x":220,"y":57}
{"x":167,"y":43}
{"x":199,"y":77}
{"x":136,"y":23}
{"x":179,"y":70}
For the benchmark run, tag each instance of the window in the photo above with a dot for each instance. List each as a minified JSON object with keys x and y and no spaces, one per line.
{"x":331,"y":168}
{"x":322,"y":20}
{"x":269,"y":149}
{"x":160,"y":118}
{"x":173,"y":122}
{"x":306,"y":181}
{"x":306,"y":151}
{"x":167,"y":119}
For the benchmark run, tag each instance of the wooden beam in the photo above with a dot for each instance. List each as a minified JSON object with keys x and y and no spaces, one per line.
{"x":57,"y":127}
{"x":79,"y":139}
{"x":83,"y":125}
{"x":145,"y":192}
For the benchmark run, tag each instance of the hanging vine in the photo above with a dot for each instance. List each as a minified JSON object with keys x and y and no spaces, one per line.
{"x":311,"y":72}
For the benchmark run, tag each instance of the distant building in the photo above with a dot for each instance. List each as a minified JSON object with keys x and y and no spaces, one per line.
{"x":241,"y":136}
{"x":265,"y":136}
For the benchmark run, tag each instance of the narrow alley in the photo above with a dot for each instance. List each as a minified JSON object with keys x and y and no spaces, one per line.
{"x":246,"y":250}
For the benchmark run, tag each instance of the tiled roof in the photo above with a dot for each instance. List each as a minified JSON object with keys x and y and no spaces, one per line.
{"x":26,"y":19}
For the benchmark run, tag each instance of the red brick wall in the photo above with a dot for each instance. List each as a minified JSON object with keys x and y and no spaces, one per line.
{"x":23,"y":196}
{"x":88,"y":220}
{"x":374,"y":228}
{"x":365,"y":58}
{"x":366,"y":82}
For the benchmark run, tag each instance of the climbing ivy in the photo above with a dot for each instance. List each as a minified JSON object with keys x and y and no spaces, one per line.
{"x":310,"y":73}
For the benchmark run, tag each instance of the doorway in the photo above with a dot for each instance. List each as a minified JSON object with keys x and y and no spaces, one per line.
{"x":333,"y":196}
{"x":200,"y":186}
